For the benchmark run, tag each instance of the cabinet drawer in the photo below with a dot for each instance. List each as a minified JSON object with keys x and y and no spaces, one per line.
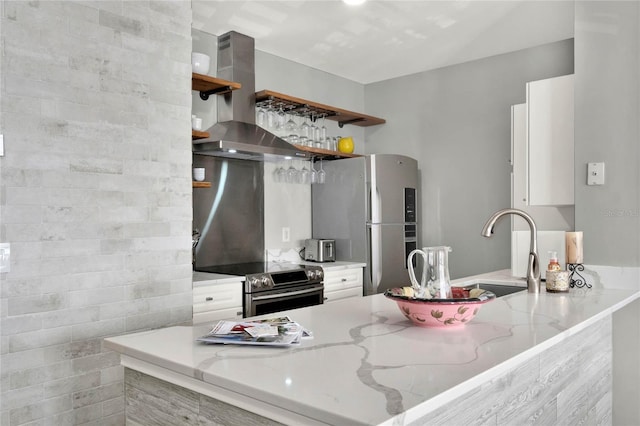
{"x":343,"y":279}
{"x":332,"y":296}
{"x":215,"y":297}
{"x":215,"y":316}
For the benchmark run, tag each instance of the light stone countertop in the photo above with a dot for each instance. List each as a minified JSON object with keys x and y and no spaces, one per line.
{"x":335,"y":266}
{"x":207,"y":278}
{"x":367,"y":364}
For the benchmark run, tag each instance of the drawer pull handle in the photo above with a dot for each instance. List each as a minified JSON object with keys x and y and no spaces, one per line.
{"x":209,"y":299}
{"x":344,"y":279}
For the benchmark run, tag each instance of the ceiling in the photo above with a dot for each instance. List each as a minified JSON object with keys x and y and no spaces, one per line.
{"x":383,"y":39}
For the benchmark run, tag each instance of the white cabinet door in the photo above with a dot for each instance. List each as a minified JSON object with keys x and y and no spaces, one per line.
{"x":217,"y":301}
{"x":519,"y":155}
{"x":548,"y":218}
{"x":342,"y":283}
{"x":550,"y":165}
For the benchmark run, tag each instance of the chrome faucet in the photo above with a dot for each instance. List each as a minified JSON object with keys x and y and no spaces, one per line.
{"x":533,"y":266}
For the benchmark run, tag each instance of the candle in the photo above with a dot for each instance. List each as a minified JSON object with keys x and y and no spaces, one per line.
{"x":574,"y":247}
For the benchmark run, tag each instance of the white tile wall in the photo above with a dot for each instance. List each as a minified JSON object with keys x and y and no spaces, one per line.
{"x":286,"y":205}
{"x":95,"y":197}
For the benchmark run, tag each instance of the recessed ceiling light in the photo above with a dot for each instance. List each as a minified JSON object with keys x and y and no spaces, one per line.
{"x":354,"y":2}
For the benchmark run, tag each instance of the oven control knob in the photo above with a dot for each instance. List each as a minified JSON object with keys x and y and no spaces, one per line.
{"x":264,"y":282}
{"x":253,"y":282}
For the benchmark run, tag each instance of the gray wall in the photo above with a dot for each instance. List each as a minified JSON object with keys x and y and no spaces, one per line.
{"x":607,"y":129}
{"x":456,"y":122}
{"x":607,"y":120}
{"x":96,"y":197}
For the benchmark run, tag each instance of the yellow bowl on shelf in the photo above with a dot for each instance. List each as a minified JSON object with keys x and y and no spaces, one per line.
{"x":346,"y":145}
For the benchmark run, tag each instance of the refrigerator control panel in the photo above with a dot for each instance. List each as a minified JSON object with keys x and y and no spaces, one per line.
{"x":410,"y":205}
{"x":410,"y":216}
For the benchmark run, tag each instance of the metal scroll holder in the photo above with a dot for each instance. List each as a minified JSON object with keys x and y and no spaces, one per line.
{"x":579,"y":281}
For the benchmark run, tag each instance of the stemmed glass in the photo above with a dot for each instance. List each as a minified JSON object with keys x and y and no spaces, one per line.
{"x":313,"y":174}
{"x":272,"y":116}
{"x":280,"y":119}
{"x":291,"y":129}
{"x":323,"y":134}
{"x":291,"y":126}
{"x":305,"y":137}
{"x":303,"y":175}
{"x":292,"y":173}
{"x":322,"y":175}
{"x":261,"y":116}
{"x":314,"y":132}
{"x":280,"y":174}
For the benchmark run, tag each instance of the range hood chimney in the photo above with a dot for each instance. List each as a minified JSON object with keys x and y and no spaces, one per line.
{"x":236,"y":135}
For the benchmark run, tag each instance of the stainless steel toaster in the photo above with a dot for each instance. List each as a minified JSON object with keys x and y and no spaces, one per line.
{"x":318,"y":250}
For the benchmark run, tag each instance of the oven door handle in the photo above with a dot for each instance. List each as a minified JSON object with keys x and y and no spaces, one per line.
{"x":286,"y":294}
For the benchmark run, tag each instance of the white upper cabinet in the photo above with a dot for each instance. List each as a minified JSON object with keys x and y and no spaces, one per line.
{"x":550,"y":145}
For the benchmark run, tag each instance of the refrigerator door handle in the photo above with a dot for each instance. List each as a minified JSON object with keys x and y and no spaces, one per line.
{"x":376,"y":205}
{"x":376,"y":258}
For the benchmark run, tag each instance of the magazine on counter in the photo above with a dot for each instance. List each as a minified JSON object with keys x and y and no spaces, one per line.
{"x":275,"y":331}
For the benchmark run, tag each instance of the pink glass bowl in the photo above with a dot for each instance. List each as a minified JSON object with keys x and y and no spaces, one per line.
{"x":449,"y":313}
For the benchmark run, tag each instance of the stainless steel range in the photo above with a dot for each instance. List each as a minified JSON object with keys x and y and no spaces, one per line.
{"x":274,"y":287}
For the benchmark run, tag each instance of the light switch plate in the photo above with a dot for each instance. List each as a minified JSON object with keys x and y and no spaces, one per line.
{"x":595,"y":174}
{"x":286,"y":235}
{"x":5,"y":257}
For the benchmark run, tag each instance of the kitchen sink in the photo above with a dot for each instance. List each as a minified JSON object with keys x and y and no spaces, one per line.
{"x":498,"y":289}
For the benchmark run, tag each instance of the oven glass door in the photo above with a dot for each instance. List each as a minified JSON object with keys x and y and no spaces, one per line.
{"x":268,"y":302}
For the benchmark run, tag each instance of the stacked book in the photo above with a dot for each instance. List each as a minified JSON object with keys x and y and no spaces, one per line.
{"x":276,"y":331}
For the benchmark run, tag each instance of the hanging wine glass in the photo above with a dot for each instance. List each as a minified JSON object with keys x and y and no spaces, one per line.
{"x":291,"y":129}
{"x":313,"y":174}
{"x":280,"y":174}
{"x":272,"y":116}
{"x":303,"y":175}
{"x":281,"y":119}
{"x":322,"y":175}
{"x":261,"y":116}
{"x":304,"y":132}
{"x":314,"y":132}
{"x":292,"y":173}
{"x":323,"y":135}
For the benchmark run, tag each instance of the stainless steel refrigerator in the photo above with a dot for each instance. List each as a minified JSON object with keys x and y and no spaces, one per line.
{"x":368,"y":206}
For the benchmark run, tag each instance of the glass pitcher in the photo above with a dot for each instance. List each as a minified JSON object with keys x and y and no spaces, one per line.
{"x":435,"y":282}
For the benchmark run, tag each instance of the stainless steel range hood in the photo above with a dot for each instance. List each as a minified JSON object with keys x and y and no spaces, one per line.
{"x":236,"y":135}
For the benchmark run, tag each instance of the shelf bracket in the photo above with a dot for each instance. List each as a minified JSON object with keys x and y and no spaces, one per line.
{"x":355,"y":120}
{"x":204,"y":95}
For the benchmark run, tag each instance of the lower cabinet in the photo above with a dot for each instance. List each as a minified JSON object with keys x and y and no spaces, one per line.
{"x":342,"y":283}
{"x":214,"y":302}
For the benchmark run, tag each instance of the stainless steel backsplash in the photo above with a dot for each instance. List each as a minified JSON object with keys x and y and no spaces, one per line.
{"x":230,"y":214}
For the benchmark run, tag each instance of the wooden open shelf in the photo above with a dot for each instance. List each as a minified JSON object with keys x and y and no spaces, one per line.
{"x":208,"y":85}
{"x":197,"y":184}
{"x":325,"y":153}
{"x":342,"y":116}
{"x":197,"y":134}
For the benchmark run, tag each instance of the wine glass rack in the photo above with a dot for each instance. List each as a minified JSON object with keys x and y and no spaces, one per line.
{"x":315,"y":109}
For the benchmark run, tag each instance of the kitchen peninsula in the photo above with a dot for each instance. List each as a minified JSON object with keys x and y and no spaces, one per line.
{"x":525,"y":356}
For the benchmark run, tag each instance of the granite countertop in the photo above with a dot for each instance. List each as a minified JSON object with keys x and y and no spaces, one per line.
{"x":367,"y":364}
